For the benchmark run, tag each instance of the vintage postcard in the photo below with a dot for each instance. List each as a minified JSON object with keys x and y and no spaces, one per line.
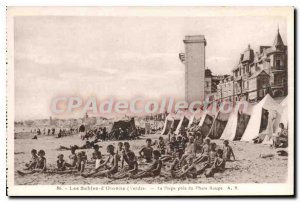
{"x":150,"y":101}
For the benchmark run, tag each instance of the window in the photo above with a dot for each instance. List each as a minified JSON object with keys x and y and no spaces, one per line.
{"x":278,"y":64}
{"x":207,"y":84}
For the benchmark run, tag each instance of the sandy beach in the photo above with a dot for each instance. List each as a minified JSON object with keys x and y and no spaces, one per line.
{"x":248,"y":167}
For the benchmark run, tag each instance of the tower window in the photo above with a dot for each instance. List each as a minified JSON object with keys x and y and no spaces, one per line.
{"x":278,"y":64}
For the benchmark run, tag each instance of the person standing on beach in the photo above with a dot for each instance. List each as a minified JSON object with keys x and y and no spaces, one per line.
{"x":82,"y":131}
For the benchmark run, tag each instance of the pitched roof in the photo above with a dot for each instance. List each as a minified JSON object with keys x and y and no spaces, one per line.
{"x":258,"y":73}
{"x":278,"y":40}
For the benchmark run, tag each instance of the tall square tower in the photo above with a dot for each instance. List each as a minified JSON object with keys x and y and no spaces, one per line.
{"x":194,"y":59}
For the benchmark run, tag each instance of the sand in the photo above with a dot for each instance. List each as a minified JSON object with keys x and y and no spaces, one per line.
{"x":248,"y":167}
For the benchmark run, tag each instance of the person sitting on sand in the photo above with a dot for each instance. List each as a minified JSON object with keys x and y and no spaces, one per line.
{"x":61,"y":163}
{"x":146,"y":152}
{"x":176,"y":164}
{"x":205,"y":152}
{"x":218,"y":165}
{"x":171,"y":146}
{"x":208,"y":161}
{"x":227,"y":151}
{"x":96,"y":153}
{"x":120,"y":151}
{"x":190,"y":148}
{"x":72,"y":158}
{"x":180,"y":145}
{"x":41,"y":162}
{"x":81,"y":162}
{"x":40,"y":165}
{"x":125,"y":154}
{"x":154,"y":169}
{"x":110,"y":165}
{"x":161,"y":145}
{"x":132,"y":168}
{"x":198,"y":142}
{"x":281,"y":138}
{"x":188,"y":170}
{"x":197,"y":168}
{"x":33,"y":161}
{"x":184,"y":135}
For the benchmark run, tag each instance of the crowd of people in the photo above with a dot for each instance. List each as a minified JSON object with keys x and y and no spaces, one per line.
{"x":62,"y":132}
{"x":187,"y":154}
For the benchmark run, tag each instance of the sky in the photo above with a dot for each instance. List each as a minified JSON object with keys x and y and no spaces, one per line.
{"x":122,"y":57}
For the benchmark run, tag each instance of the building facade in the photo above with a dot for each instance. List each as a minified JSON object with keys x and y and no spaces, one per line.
{"x":258,"y":73}
{"x":194,"y":60}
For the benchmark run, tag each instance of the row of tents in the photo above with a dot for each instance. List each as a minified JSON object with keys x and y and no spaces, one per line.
{"x":245,"y":122}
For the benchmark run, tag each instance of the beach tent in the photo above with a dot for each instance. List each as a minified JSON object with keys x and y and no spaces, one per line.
{"x":206,"y":123}
{"x":258,"y":125}
{"x":184,"y":122}
{"x":237,"y":121}
{"x":218,"y":125}
{"x":124,"y":125}
{"x":168,"y":124}
{"x":195,"y":118}
{"x":284,"y":116}
{"x":283,"y":119}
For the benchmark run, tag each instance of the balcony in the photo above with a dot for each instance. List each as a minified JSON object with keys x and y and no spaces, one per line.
{"x":278,"y":69}
{"x":277,"y":85}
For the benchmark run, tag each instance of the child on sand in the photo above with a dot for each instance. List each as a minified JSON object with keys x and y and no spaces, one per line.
{"x":41,"y":162}
{"x":218,"y":165}
{"x":153,"y":170}
{"x":96,"y":153}
{"x":33,"y":161}
{"x":189,"y":170}
{"x":205,"y":152}
{"x":132,"y":168}
{"x":190,"y":149}
{"x":72,"y":158}
{"x":110,"y":165}
{"x":197,"y":168}
{"x":81,"y":162}
{"x":180,"y":146}
{"x":172,"y":145}
{"x":146,"y":152}
{"x":125,"y":154}
{"x":120,"y":151}
{"x":61,"y":164}
{"x":176,"y":164}
{"x":227,"y":151}
{"x":40,"y":165}
{"x":198,"y":142}
{"x":161,"y":145}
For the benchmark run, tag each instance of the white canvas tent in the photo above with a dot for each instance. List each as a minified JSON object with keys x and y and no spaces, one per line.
{"x":253,"y":128}
{"x":196,"y":117}
{"x":206,"y":122}
{"x":237,"y":121}
{"x":283,"y":119}
{"x":184,"y":121}
{"x":284,"y":116}
{"x":218,"y":125}
{"x":168,"y":124}
{"x":181,"y":120}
